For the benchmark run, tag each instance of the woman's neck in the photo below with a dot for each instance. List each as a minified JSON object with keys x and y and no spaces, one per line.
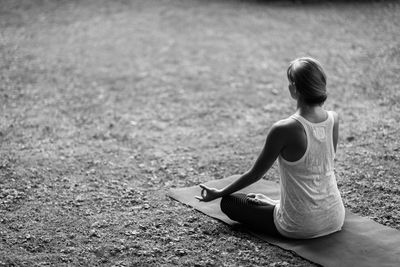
{"x":315,"y":113}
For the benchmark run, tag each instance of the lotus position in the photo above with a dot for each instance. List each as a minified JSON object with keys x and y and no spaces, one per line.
{"x":305,"y":145}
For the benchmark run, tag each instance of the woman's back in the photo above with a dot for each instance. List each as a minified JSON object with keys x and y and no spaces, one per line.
{"x":310,"y":203}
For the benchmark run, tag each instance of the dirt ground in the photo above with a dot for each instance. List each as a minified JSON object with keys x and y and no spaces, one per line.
{"x":105,"y":105}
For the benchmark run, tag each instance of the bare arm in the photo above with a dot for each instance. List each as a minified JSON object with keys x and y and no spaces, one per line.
{"x":335,"y":130}
{"x":273,"y":145}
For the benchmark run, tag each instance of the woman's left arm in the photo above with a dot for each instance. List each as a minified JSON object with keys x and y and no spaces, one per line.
{"x":275,"y":142}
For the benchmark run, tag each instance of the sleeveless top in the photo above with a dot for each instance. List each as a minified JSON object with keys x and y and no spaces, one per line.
{"x":310,"y":204}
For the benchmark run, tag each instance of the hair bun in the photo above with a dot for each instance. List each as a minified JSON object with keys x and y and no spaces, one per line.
{"x":310,"y":80}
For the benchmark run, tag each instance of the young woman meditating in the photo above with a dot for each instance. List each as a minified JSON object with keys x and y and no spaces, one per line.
{"x":305,"y":145}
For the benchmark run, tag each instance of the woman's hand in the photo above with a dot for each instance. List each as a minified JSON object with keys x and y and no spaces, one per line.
{"x":261,"y":199}
{"x":208,"y":194}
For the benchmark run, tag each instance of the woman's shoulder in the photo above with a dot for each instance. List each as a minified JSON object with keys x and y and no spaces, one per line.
{"x":335,"y":116}
{"x":288,"y":126}
{"x":284,"y":123}
{"x":291,"y":134}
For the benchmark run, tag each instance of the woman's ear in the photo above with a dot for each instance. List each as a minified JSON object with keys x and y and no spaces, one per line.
{"x":293,"y":91}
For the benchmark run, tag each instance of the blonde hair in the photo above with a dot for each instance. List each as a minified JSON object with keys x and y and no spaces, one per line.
{"x":309,"y":78}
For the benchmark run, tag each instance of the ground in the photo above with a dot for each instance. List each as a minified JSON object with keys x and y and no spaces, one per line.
{"x":105,"y":105}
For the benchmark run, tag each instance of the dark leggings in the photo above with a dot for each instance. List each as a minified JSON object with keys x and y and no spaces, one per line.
{"x":240,"y":208}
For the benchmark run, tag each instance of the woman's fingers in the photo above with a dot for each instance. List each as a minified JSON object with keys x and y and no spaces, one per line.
{"x":204,"y":190}
{"x":253,"y":200}
{"x":207,"y":193}
{"x":199,"y":198}
{"x":205,"y":187}
{"x":261,"y":196}
{"x":203,"y":193}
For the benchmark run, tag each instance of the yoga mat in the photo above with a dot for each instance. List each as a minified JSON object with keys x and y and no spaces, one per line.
{"x":362,"y":242}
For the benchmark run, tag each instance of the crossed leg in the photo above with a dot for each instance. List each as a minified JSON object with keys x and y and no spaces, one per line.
{"x":257,"y":216}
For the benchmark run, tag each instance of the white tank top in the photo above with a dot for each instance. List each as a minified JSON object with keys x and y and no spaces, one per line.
{"x":310,"y":204}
